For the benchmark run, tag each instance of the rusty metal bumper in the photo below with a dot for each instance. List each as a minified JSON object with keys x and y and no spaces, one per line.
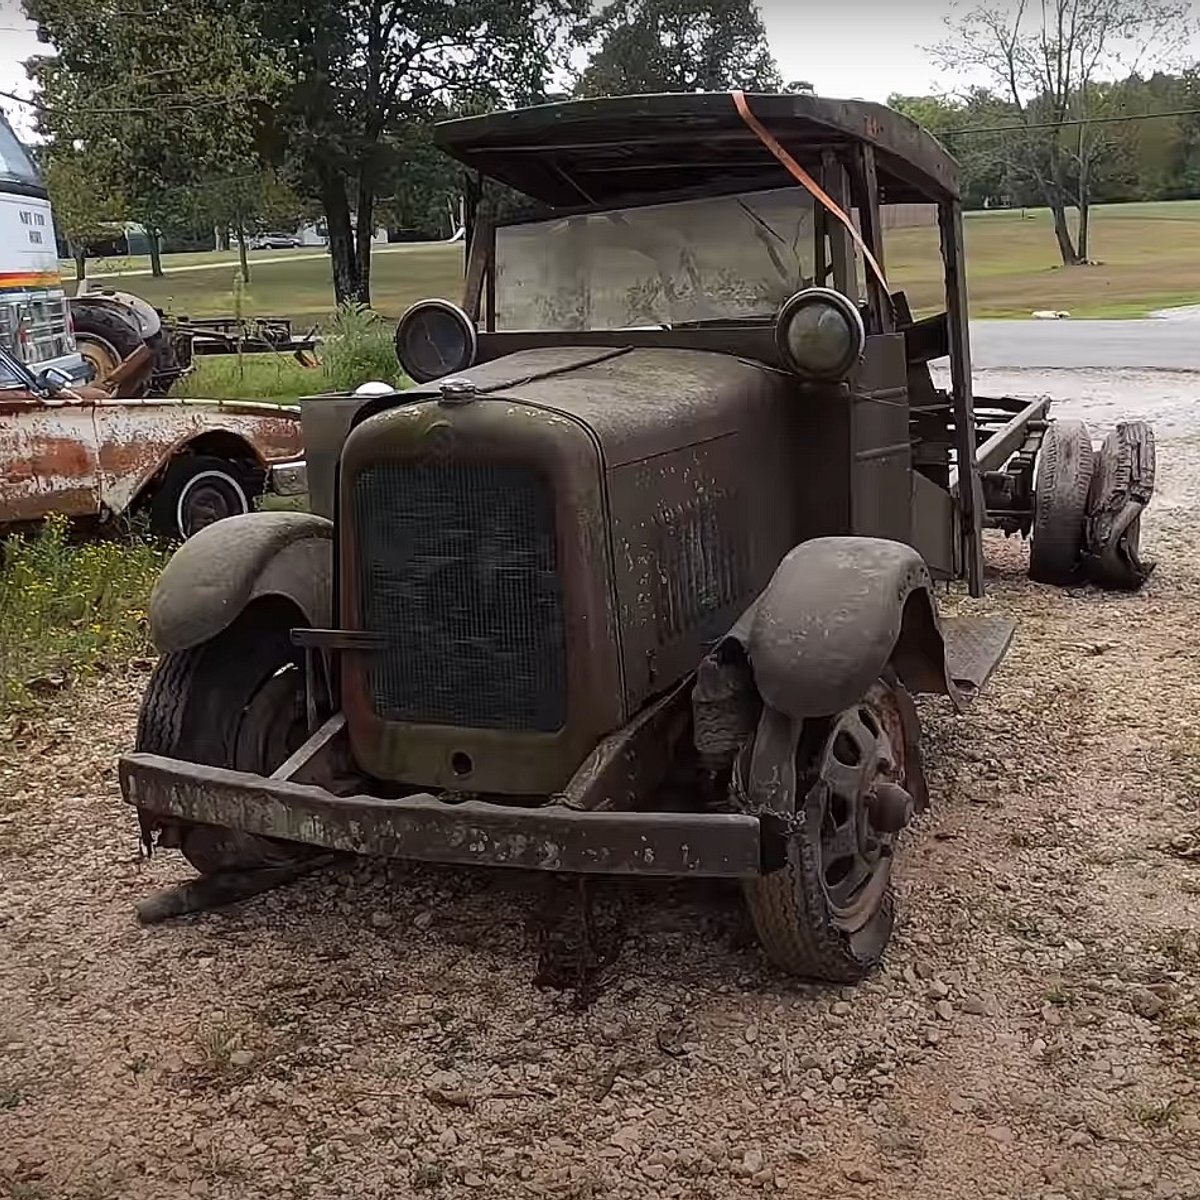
{"x":431,"y":829}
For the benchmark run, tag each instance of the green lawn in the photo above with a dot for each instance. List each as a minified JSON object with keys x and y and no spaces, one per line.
{"x":1147,"y":257}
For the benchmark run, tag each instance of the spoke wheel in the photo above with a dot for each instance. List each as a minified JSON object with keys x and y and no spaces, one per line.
{"x":827,"y":912}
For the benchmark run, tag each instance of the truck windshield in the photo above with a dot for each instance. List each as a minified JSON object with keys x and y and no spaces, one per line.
{"x":721,"y":258}
{"x":16,"y":166}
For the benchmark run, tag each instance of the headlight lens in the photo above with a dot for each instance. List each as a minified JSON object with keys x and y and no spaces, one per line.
{"x":820,"y":334}
{"x":435,"y":338}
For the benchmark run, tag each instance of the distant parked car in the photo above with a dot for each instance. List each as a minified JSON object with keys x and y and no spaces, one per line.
{"x":275,"y":241}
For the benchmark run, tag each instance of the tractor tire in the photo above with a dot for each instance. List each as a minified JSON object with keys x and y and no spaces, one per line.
{"x":236,"y":701}
{"x":1063,"y":480}
{"x":106,"y":336}
{"x":1122,"y":486}
{"x":198,"y":490}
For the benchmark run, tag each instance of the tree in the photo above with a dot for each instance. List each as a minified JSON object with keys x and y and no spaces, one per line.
{"x":363,"y":75}
{"x":87,"y":207}
{"x":1046,"y":60}
{"x":644,"y":46}
{"x":166,"y":95}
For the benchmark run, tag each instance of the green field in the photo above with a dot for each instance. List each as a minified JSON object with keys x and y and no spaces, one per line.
{"x":1147,"y":257}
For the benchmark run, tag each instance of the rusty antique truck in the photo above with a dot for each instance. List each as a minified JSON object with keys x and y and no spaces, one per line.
{"x":639,"y":578}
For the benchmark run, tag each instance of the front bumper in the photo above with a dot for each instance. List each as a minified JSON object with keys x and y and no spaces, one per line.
{"x":431,"y":829}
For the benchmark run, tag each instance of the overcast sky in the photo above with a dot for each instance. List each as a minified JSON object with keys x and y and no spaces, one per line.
{"x":863,"y":49}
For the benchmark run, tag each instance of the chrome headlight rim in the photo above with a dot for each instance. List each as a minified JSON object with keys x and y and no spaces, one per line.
{"x":833,"y":300}
{"x":461,"y":321}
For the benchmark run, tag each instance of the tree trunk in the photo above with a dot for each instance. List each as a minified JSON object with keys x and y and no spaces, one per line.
{"x":1062,"y":231}
{"x":152,"y":236}
{"x":1085,"y":213}
{"x":364,"y":228}
{"x":342,"y":256}
{"x":80,"y":255}
{"x":242,"y":258}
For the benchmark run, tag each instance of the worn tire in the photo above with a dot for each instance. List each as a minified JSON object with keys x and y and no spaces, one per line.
{"x":111,"y":329}
{"x":1122,"y":483}
{"x":196,"y":708}
{"x":1064,"y":477}
{"x":198,"y":490}
{"x":790,"y":907}
{"x":792,"y":922}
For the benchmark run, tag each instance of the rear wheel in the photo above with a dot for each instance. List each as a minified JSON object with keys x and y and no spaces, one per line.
{"x":238,"y":702}
{"x":827,"y":911}
{"x":197,"y":491}
{"x":1063,"y":478}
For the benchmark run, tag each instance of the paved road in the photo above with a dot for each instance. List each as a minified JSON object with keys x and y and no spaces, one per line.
{"x":1152,"y":344}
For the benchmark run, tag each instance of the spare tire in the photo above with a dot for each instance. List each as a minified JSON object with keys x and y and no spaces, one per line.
{"x":1063,"y":477}
{"x":1122,"y":485}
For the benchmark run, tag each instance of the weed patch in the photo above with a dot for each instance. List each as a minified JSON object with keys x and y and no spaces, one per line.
{"x":69,"y":609}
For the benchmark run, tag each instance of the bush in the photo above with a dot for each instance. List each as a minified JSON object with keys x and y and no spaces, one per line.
{"x":67,"y":610}
{"x":358,"y":349}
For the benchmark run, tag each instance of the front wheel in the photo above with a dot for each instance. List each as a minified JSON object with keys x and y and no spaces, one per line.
{"x":826,"y":912}
{"x":199,"y":490}
{"x":236,"y":701}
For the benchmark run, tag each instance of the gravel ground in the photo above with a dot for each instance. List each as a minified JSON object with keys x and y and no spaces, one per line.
{"x":378,"y":1030}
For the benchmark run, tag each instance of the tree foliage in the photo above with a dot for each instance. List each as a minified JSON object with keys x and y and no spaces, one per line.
{"x":167,"y":95}
{"x":88,"y":207}
{"x":647,"y":46}
{"x":1045,"y":62}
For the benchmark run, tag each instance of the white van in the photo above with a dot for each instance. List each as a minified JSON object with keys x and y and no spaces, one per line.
{"x":35,"y":319}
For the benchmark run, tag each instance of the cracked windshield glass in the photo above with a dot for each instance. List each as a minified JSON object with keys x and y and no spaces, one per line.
{"x":724,"y":258}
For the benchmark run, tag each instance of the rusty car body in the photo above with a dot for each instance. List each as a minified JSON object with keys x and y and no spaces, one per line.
{"x":82,"y":452}
{"x":639,"y":578}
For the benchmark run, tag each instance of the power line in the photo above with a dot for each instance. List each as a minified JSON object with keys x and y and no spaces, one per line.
{"x":1178,"y":112}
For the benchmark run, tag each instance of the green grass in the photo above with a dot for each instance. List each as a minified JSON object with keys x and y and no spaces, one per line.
{"x":70,"y":609}
{"x":1148,"y":257}
{"x":275,"y":377}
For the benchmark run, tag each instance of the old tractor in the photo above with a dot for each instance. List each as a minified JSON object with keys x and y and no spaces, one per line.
{"x":639,"y":578}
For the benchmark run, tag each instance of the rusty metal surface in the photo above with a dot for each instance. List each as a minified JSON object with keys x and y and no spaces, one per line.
{"x":83,"y":453}
{"x":834,"y":615}
{"x":430,"y":829}
{"x":220,"y":569}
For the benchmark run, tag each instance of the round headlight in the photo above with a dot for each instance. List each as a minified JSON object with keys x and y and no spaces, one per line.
{"x":435,"y":338}
{"x":820,"y":334}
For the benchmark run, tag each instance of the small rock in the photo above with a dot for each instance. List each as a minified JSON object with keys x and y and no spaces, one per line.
{"x":841,"y":1009}
{"x":960,"y":1104}
{"x":944,"y":1009}
{"x":1146,"y":1004}
{"x":473,"y":1181}
{"x":976,"y":1006}
{"x":838,"y":1084}
{"x":752,"y":1160}
{"x":1001,"y":1134}
{"x":241,"y":1058}
{"x":861,"y":1174}
{"x":654,"y":1171}
{"x":423,"y":920}
{"x":448,"y":1138}
{"x":938,"y":990}
{"x":751,"y":1034}
{"x":380,"y":920}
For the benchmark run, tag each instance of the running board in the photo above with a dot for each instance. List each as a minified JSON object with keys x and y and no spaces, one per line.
{"x":974,"y":648}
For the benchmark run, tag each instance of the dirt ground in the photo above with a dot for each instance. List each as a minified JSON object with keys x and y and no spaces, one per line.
{"x":379,"y":1031}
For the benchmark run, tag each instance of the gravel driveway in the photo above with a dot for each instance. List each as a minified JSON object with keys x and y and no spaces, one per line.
{"x":379,"y":1030}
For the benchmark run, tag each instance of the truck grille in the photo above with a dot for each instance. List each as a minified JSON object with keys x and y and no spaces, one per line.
{"x":457,"y":569}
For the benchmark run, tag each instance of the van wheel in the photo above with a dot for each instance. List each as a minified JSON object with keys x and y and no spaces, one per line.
{"x":1063,"y":479}
{"x":199,"y":490}
{"x":236,"y":701}
{"x":826,"y":911}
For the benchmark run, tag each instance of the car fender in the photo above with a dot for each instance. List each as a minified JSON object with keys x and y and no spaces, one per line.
{"x":226,"y":566}
{"x":836,"y":614}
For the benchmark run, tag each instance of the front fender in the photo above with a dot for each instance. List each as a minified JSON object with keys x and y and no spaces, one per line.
{"x":218,"y":571}
{"x":837,"y":612}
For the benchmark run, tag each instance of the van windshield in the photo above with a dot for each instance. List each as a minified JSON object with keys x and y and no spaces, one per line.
{"x":16,"y":165}
{"x":720,"y":258}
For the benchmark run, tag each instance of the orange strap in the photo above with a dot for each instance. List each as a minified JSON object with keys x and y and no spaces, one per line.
{"x":805,"y":180}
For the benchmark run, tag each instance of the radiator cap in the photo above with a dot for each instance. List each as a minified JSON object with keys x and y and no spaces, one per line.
{"x":457,"y":391}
